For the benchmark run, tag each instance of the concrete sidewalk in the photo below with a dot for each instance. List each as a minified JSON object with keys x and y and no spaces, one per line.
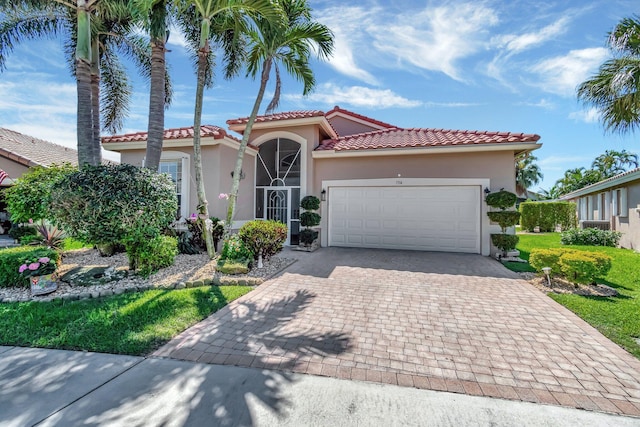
{"x":65,"y":388}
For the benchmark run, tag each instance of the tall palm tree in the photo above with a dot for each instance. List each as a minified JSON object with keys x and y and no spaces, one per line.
{"x":227,"y":18}
{"x":614,"y":162}
{"x":577,"y":178}
{"x":615,"y":89}
{"x":289,"y":43}
{"x":92,"y":54}
{"x":155,"y":16}
{"x":527,"y":173}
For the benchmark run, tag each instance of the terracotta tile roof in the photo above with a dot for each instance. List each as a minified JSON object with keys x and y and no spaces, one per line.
{"x":289,"y":115}
{"x":411,"y":138}
{"x":337,"y":109}
{"x":31,"y":151}
{"x":176,"y":133}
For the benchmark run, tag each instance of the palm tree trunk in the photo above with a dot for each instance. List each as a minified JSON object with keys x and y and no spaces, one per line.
{"x":235,"y":186}
{"x":203,"y":209}
{"x":83,"y":77}
{"x":95,"y":102}
{"x":157,"y":93}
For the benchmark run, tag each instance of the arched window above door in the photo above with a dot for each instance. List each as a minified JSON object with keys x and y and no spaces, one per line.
{"x":278,"y":163}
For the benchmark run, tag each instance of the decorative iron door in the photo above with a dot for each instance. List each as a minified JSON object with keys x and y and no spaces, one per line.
{"x":278,"y":205}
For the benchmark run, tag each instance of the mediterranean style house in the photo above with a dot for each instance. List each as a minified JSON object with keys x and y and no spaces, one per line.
{"x":615,"y":202}
{"x":381,"y":186}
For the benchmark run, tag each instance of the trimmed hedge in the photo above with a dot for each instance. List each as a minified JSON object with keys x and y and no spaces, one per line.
{"x":11,"y":259}
{"x":547,"y":214}
{"x":504,"y":218}
{"x":576,"y":265}
{"x":148,"y":256}
{"x":263,"y":237}
{"x":590,"y":237}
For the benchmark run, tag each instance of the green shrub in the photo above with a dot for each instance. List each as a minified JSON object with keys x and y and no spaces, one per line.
{"x":584,"y":267}
{"x":547,"y":215}
{"x":264,"y":238}
{"x":576,"y":265}
{"x":308,"y":236}
{"x":310,"y":203}
{"x":501,"y":199}
{"x":590,"y":237}
{"x":234,"y":249}
{"x":186,"y":244}
{"x":30,"y":196}
{"x":107,"y":204}
{"x":19,"y":231}
{"x":539,"y":258}
{"x":504,"y":218}
{"x":11,"y":259}
{"x":309,"y":219}
{"x":31,"y":239}
{"x":148,"y":256}
{"x":506,"y":242}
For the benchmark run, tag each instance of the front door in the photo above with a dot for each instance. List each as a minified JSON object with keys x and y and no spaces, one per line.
{"x":278,"y":184}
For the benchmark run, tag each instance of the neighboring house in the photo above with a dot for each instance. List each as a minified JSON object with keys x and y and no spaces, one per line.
{"x":19,"y":152}
{"x":615,"y":201}
{"x":381,"y":186}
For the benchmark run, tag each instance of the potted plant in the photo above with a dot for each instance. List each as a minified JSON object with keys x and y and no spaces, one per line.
{"x":309,"y":218}
{"x":41,"y":274}
{"x":503,"y":200}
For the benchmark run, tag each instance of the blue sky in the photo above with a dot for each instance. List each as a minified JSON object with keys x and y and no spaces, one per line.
{"x":478,"y":65}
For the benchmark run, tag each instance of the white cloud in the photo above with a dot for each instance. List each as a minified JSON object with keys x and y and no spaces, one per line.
{"x":543,"y":103}
{"x":347,"y":24}
{"x":357,"y":96}
{"x":450,"y":104}
{"x":560,"y":75}
{"x":177,"y":38}
{"x":436,"y":39}
{"x":592,"y":115}
{"x":517,"y":43}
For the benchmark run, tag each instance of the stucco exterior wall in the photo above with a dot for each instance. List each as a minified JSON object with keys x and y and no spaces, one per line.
{"x":218,"y":161}
{"x":346,"y":127}
{"x":496,"y":166}
{"x":14,"y":169}
{"x":630,"y":226}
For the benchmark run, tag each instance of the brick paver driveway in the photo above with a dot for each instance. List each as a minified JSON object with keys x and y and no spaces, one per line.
{"x":461,"y":323}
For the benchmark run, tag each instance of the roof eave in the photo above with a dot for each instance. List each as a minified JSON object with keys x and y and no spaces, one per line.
{"x":18,"y":158}
{"x":177,"y":143}
{"x":517,"y":148}
{"x":603,"y":185}
{"x":315,"y":120}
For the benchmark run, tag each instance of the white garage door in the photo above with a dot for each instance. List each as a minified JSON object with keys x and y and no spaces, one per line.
{"x":426,"y":218}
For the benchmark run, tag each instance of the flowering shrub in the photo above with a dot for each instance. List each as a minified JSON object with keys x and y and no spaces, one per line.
{"x":11,"y":259}
{"x":590,"y":237}
{"x":216,"y":228}
{"x":234,"y":249}
{"x":36,"y":266}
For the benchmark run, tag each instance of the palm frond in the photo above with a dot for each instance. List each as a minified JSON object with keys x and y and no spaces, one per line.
{"x":115,"y":94}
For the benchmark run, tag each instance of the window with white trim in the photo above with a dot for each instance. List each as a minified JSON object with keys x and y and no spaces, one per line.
{"x":620,"y":207}
{"x":176,"y":165}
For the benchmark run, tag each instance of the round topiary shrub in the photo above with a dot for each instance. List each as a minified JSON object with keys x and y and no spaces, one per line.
{"x":310,"y":203}
{"x":264,"y":238}
{"x":501,"y":199}
{"x":309,"y":219}
{"x":506,"y":242}
{"x":504,"y":218}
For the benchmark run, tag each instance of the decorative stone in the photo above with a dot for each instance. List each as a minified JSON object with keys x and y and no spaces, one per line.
{"x":207,"y":282}
{"x":95,"y":294}
{"x":119,"y":291}
{"x":181,"y":285}
{"x":198,"y":283}
{"x":84,"y":295}
{"x":106,"y":293}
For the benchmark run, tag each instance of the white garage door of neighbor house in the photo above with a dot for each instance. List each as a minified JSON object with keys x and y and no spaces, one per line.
{"x":426,"y":218}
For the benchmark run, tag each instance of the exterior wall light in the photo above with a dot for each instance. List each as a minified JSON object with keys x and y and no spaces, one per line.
{"x":323,"y":195}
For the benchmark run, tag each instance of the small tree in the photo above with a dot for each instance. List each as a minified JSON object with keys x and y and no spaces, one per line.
{"x":309,"y":219}
{"x":505,"y":218}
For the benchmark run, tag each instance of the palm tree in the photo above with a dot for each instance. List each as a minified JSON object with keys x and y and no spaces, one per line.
{"x":112,"y":30}
{"x":288,"y":43}
{"x":550,"y":194}
{"x":577,"y":178}
{"x":614,"y":90}
{"x":527,"y":173}
{"x":226,"y":17}
{"x":155,"y":16}
{"x":613,"y":162}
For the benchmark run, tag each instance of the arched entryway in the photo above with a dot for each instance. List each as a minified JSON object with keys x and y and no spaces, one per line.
{"x":278,"y":179}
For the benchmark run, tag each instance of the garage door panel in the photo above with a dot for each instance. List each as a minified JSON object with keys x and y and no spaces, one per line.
{"x":442,"y":218}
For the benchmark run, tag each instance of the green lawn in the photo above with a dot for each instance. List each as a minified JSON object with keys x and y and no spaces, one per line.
{"x":618,"y":317}
{"x":135,"y":323}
